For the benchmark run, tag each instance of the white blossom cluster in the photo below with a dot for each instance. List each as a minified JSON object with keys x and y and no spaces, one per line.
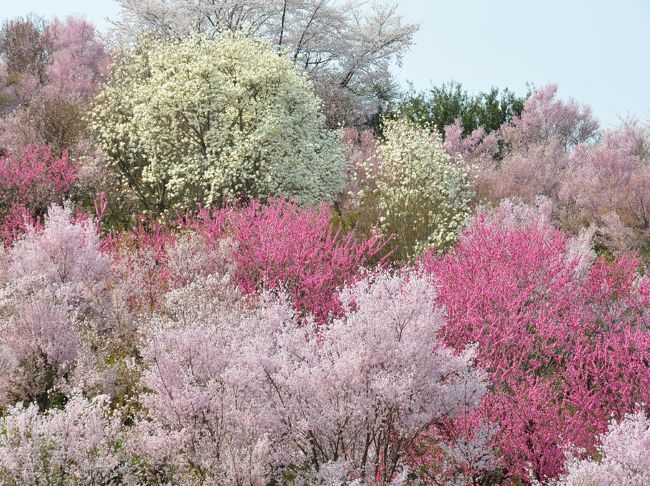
{"x":423,"y":195}
{"x":203,"y":121}
{"x":624,"y":456}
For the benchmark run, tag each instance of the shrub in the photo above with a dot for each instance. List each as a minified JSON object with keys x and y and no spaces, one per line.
{"x":421,"y":194}
{"x":282,"y":247}
{"x":76,"y":445}
{"x":52,"y":285}
{"x":566,"y":343}
{"x":35,"y":178}
{"x":624,"y":456}
{"x":246,"y":396}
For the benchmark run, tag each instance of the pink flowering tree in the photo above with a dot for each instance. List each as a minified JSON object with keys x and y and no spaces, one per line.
{"x":249,"y":395}
{"x":545,"y":117}
{"x":78,"y":444}
{"x":283,"y":247}
{"x":52,"y":281}
{"x":51,"y":96}
{"x":565,"y":342}
{"x":29,"y":182}
{"x":610,"y":186}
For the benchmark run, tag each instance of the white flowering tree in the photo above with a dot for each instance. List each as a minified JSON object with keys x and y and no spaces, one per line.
{"x":345,"y":46}
{"x":203,"y":121}
{"x":624,"y":456}
{"x":78,"y":444}
{"x":423,"y":196}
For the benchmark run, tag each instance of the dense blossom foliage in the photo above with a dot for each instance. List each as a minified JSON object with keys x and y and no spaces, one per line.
{"x":283,"y":247}
{"x":51,"y":284}
{"x":204,"y":280}
{"x":565,"y":341}
{"x":33,"y":179}
{"x":76,"y":445}
{"x":254,"y":395}
{"x":624,"y":456}
{"x":208,"y":121}
{"x":278,"y":247}
{"x":421,"y":195}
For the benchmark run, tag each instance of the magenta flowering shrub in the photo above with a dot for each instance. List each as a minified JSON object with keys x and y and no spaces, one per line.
{"x":565,"y":344}
{"x":283,"y":247}
{"x":29,"y":182}
{"x":278,"y":247}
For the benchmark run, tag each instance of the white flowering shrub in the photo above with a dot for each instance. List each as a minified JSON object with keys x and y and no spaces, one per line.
{"x":79,"y":444}
{"x":422,"y":194}
{"x":203,"y":120}
{"x":624,"y":456}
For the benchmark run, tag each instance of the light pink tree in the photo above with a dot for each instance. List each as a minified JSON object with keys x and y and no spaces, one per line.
{"x":624,"y":456}
{"x":609,"y":184}
{"x":78,"y":444}
{"x":52,"y":282}
{"x":49,"y":104}
{"x":244,"y":395}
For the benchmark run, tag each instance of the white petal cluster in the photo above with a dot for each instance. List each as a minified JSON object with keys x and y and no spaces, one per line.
{"x":423,"y":194}
{"x":201,"y":120}
{"x":625,"y":456}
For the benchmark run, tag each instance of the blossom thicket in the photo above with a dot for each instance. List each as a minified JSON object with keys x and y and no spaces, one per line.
{"x":263,"y":298}
{"x":564,"y":338}
{"x":421,"y":196}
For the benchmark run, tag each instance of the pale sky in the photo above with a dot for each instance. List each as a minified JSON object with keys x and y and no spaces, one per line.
{"x":597,"y":51}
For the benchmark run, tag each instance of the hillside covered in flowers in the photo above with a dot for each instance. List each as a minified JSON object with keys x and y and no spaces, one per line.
{"x":233,"y":252}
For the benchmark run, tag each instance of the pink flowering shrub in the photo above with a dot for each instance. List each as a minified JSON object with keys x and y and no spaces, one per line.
{"x":75,"y":445}
{"x":29,"y":182}
{"x":624,"y":454}
{"x":280,"y":247}
{"x":248,"y":395}
{"x":52,"y":281}
{"x":283,"y":247}
{"x":566,"y":345}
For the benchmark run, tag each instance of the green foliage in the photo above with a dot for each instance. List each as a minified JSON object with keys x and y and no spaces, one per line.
{"x":205,"y":121}
{"x":443,"y":105}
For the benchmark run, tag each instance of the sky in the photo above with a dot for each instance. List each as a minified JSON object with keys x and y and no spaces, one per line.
{"x":596,"y":51}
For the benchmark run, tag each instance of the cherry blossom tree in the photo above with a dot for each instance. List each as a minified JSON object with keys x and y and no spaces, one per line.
{"x":244,"y":395}
{"x":624,"y":453}
{"x":78,"y":444}
{"x":346,"y":47}
{"x":50,"y":91}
